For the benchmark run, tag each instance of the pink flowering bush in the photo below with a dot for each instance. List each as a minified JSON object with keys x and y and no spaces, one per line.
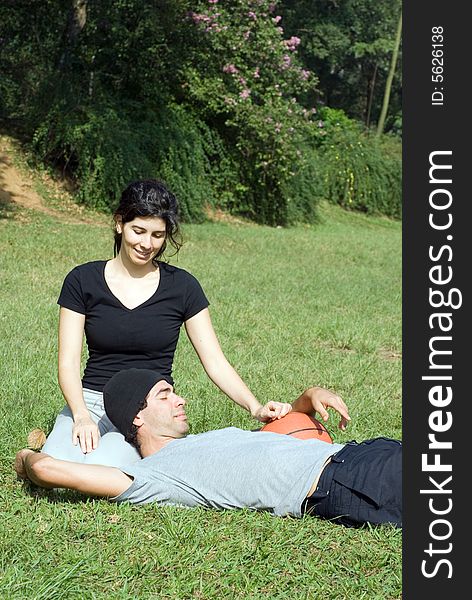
{"x":243,"y":79}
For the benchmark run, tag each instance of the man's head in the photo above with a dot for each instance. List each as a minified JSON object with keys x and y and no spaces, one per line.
{"x":142,"y":405}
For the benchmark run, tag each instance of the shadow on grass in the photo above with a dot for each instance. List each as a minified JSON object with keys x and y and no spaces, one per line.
{"x":55,"y":495}
{"x":8,"y":208}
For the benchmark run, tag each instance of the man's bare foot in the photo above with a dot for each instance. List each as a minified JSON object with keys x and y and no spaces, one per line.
{"x":19,"y":464}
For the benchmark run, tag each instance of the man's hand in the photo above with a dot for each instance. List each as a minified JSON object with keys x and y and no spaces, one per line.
{"x":86,"y":433}
{"x":319,"y":399}
{"x":322,"y":399}
{"x":272,"y":410}
{"x":19,"y":464}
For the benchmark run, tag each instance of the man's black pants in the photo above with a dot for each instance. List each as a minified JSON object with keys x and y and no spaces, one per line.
{"x":362,"y":484}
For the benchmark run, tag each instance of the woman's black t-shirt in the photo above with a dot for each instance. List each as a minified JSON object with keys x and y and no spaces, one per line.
{"x":119,"y":338}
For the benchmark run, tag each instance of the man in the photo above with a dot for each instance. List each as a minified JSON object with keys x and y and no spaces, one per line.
{"x":229,"y":468}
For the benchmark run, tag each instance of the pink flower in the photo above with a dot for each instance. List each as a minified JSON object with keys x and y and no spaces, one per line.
{"x":286,"y":61}
{"x":292,"y":43}
{"x":252,"y":15}
{"x":256,"y":73}
{"x":199,"y":18}
{"x":277,"y":19}
{"x":230,"y":69}
{"x":194,"y":16}
{"x":305,"y":74}
{"x":245,"y":94}
{"x":212,"y":1}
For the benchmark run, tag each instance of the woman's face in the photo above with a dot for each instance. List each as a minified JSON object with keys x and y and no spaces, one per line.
{"x":141,"y":238}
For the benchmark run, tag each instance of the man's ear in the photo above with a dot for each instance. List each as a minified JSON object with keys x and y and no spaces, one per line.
{"x":138,"y":421}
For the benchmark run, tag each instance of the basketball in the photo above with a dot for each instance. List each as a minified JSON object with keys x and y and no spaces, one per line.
{"x":301,"y":426}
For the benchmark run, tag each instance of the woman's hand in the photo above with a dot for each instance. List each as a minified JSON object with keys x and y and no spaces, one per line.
{"x":85,"y":432}
{"x":271,"y":411}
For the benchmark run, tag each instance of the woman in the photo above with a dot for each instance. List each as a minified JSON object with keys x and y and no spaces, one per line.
{"x":131,"y":309}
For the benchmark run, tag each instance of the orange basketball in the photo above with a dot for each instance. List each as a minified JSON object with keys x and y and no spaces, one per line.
{"x":299,"y":425}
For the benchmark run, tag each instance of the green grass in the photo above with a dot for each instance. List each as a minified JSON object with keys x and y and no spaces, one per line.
{"x":292,"y":308}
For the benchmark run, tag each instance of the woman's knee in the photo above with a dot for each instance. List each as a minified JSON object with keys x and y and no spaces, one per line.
{"x":113,"y":451}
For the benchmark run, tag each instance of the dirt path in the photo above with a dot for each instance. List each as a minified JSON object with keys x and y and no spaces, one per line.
{"x":18,"y":194}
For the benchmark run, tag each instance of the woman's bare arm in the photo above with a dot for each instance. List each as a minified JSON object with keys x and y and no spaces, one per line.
{"x":203,"y":338}
{"x":71,"y":333}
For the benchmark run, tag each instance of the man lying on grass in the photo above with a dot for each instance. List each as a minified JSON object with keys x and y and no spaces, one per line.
{"x":231,"y":468}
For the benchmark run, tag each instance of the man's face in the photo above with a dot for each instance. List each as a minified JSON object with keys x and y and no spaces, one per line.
{"x":165,"y":414}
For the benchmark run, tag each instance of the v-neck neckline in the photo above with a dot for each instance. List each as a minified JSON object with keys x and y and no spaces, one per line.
{"x":109,"y":290}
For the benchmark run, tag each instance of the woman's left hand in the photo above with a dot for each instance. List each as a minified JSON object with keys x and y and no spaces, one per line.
{"x":272,"y":410}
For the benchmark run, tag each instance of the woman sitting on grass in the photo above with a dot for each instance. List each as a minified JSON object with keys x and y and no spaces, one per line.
{"x":131,"y":309}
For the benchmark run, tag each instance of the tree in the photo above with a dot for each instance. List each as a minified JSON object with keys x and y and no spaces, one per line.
{"x":388,"y":85}
{"x":348,"y":45}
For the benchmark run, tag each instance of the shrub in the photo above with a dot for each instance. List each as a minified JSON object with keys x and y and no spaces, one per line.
{"x":357,"y":170}
{"x":243,"y":79}
{"x":105,"y":148}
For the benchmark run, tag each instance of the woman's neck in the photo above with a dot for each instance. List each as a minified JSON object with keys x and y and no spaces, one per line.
{"x":121,"y":266}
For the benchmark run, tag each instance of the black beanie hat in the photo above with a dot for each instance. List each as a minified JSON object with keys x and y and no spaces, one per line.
{"x":124,"y":392}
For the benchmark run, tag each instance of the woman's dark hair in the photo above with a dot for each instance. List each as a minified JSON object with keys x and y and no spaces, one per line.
{"x":150,"y":198}
{"x":132,"y":435}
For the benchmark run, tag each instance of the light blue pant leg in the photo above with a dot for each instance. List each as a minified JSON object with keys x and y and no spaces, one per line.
{"x":59,"y":442}
{"x":113,"y":451}
{"x":112,"y":448}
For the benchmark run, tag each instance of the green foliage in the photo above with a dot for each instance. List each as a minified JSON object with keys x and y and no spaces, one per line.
{"x":30,"y":33}
{"x":211,"y":96}
{"x":302,"y":189}
{"x":348,"y":45}
{"x":357,"y":170}
{"x":244,"y":77}
{"x":99,"y":145}
{"x":106,"y":148}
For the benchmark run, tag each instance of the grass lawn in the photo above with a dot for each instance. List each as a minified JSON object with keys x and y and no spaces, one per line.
{"x":292,"y":308}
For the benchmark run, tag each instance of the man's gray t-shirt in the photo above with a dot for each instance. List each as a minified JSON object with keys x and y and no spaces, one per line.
{"x":230,"y":468}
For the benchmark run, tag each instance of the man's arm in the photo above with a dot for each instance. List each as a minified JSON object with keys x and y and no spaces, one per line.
{"x":318,"y":399}
{"x":48,"y":472}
